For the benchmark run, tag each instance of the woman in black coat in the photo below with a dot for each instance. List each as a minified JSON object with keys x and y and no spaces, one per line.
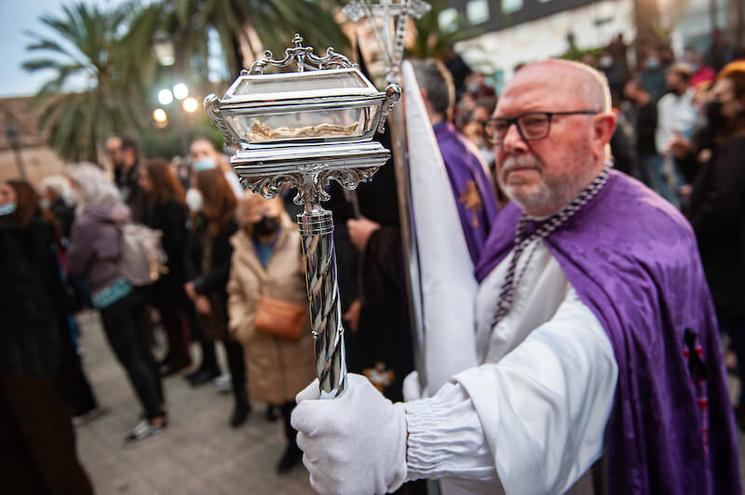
{"x":165,"y":210}
{"x":37,"y":441}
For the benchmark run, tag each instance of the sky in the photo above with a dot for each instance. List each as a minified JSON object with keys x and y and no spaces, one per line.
{"x":17,"y":17}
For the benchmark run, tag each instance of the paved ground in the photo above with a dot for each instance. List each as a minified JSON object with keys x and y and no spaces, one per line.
{"x":199,"y":454}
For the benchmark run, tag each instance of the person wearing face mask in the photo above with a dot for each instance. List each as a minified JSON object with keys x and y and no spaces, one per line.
{"x":204,"y":155}
{"x":717,"y":212}
{"x":267,"y":266}
{"x":37,"y":441}
{"x":652,"y":74}
{"x":207,"y":265}
{"x":676,"y":116}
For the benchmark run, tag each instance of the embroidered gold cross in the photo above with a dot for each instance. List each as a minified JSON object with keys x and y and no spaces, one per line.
{"x":471,"y":199}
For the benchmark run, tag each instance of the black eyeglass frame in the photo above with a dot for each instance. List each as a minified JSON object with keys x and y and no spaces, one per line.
{"x":516,"y":121}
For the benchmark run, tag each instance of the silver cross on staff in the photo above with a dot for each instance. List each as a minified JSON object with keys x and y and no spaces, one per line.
{"x":385,"y":11}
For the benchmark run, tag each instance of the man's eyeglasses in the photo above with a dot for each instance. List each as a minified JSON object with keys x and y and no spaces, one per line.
{"x":532,"y":126}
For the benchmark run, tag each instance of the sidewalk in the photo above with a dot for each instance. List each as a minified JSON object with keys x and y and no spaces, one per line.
{"x":199,"y":454}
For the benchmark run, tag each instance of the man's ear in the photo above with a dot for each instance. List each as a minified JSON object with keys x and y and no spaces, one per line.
{"x":604,"y":125}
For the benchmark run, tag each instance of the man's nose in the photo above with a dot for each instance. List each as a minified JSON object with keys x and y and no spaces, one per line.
{"x":513,"y":141}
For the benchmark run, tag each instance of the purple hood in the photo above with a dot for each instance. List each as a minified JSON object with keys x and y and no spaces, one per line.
{"x":633,"y":260}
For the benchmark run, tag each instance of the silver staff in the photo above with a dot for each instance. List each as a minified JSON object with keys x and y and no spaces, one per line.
{"x":303,"y":129}
{"x":388,"y":19}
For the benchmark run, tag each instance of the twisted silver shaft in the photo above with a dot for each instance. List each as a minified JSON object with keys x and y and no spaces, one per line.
{"x":317,"y":231}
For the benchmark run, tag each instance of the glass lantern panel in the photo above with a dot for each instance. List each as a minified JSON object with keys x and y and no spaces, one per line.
{"x":304,"y":125}
{"x":305,"y":82}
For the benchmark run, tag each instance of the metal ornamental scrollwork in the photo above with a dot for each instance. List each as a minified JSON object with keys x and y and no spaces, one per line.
{"x":212,"y":105}
{"x":349,"y":178}
{"x":270,"y":186}
{"x":311,"y":186}
{"x":393,"y":95}
{"x":303,"y":57}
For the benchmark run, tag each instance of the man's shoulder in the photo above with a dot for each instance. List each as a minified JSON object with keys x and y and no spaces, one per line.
{"x":643,"y":223}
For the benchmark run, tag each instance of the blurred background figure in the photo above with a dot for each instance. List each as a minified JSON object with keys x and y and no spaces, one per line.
{"x":652,"y":73}
{"x":95,"y":252}
{"x":717,"y":209}
{"x":58,"y":197}
{"x":676,"y":117}
{"x":124,"y":155}
{"x":207,"y":272}
{"x":642,"y":113}
{"x":37,"y":441}
{"x":204,"y":155}
{"x":702,"y":75}
{"x":166,"y":211}
{"x":267,"y":268}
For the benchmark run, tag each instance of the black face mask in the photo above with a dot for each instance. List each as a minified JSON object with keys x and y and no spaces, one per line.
{"x":266,"y":226}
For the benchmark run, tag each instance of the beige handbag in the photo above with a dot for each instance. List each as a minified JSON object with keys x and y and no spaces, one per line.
{"x":281,"y":319}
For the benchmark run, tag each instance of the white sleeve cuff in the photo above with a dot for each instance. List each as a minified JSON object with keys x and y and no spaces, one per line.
{"x":445,"y":438}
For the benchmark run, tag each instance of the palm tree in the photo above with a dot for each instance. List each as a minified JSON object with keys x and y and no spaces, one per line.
{"x":88,"y":97}
{"x":187,"y":23}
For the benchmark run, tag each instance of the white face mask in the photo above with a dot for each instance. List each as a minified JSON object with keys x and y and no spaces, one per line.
{"x":194,"y":200}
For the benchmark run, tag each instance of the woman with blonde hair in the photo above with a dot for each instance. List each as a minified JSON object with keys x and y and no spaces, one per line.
{"x":268,"y":310}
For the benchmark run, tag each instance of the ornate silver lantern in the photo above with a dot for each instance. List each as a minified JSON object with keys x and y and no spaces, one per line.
{"x":303,"y":128}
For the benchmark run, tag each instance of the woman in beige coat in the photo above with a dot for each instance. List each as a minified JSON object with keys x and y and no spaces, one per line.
{"x":267,"y":261}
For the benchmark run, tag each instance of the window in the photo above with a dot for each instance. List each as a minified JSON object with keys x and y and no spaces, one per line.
{"x":477,"y":11}
{"x":510,"y":6}
{"x":448,"y":20}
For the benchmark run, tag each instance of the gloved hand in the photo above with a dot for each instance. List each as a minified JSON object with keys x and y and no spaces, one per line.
{"x":355,"y":444}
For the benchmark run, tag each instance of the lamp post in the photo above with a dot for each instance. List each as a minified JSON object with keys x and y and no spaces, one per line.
{"x":178,"y":94}
{"x":304,"y":129}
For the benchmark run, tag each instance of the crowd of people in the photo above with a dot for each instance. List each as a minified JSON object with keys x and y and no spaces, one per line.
{"x":220,"y":266}
{"x":75,"y":244}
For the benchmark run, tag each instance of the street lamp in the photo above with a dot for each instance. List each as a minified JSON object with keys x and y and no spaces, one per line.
{"x":180,"y":91}
{"x":165,"y":97}
{"x":190,"y":105}
{"x":160,"y":117}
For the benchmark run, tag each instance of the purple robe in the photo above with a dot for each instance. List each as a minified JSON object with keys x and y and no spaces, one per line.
{"x":474,"y":193}
{"x":633,"y":260}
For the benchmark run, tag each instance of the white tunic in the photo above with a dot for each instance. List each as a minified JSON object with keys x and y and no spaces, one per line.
{"x":531,"y":419}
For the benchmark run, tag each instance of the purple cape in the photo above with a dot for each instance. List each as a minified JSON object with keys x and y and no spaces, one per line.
{"x":474,"y":194}
{"x":633,"y":260}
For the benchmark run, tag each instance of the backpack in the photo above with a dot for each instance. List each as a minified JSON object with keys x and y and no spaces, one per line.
{"x":143,"y":260}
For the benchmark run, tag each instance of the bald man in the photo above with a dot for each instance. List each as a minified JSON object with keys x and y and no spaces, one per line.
{"x":599,"y":366}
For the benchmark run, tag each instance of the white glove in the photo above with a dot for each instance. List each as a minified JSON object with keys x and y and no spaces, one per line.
{"x":411,"y":388}
{"x":355,"y":444}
